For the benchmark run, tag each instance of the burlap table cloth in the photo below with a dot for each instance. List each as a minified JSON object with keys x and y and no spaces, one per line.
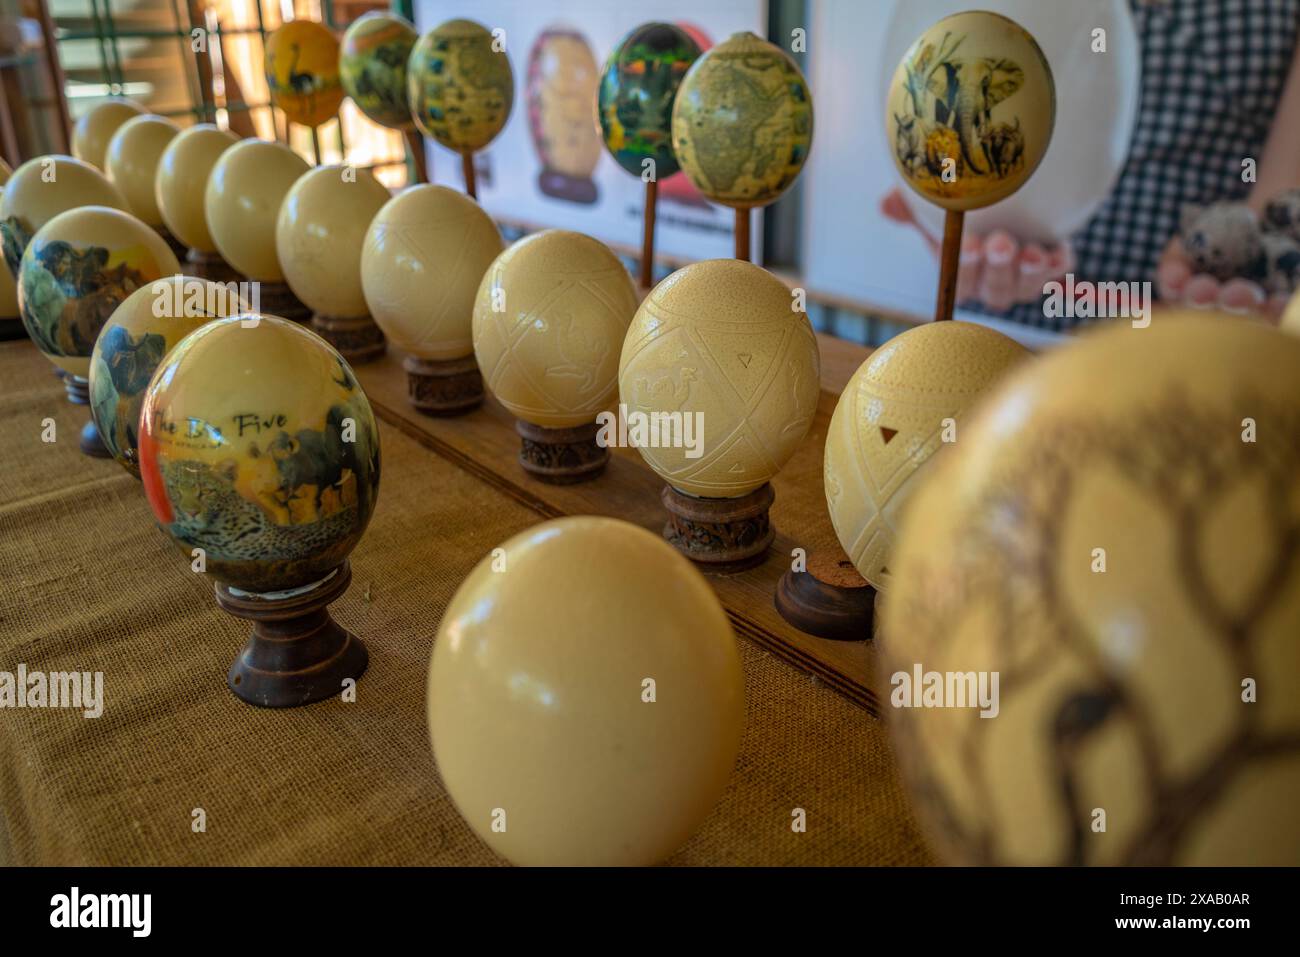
{"x":90,"y":584}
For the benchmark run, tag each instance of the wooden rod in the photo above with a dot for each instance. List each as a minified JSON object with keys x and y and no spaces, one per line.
{"x":742,"y":233}
{"x":415,"y":143}
{"x":949,"y":263}
{"x":467,"y":166}
{"x":315,"y":143}
{"x":648,"y":238}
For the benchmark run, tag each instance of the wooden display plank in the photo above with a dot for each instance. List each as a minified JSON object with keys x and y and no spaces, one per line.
{"x":485,"y":444}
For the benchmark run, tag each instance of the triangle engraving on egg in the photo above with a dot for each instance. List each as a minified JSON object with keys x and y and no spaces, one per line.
{"x":886,"y":434}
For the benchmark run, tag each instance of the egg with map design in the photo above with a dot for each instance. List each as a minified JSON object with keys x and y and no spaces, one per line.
{"x":743,"y":122}
{"x":242,"y":201}
{"x":42,"y":188}
{"x":258,"y":446}
{"x":182,"y":180}
{"x":302,"y":72}
{"x":134,"y":342}
{"x":78,"y":268}
{"x":421,"y":264}
{"x":902,"y":406}
{"x":372,"y":66}
{"x":95,"y":127}
{"x":549,"y":319}
{"x":561,"y":88}
{"x":637,"y":89}
{"x":459,"y":88}
{"x":721,"y":340}
{"x":132,"y":161}
{"x":1113,"y":538}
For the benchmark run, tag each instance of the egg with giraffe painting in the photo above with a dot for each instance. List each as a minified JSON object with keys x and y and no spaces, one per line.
{"x":302,"y":72}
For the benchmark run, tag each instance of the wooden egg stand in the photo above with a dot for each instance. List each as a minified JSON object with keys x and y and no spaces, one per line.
{"x":90,"y":442}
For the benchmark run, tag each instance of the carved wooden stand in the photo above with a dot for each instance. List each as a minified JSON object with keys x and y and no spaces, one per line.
{"x":92,"y":443}
{"x":720,"y":534}
{"x":829,"y":600}
{"x":561,"y":456}
{"x":444,"y":386}
{"x":358,"y":339}
{"x":297,"y":653}
{"x":277,"y":299}
{"x":208,"y":266}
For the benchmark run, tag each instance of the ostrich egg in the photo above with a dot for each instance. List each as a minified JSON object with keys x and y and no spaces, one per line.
{"x":77,"y":270}
{"x":562,"y":81}
{"x":42,"y":188}
{"x":637,"y":89}
{"x":132,"y":344}
{"x":743,"y":122}
{"x":8,"y":290}
{"x":95,"y":127}
{"x":242,"y":200}
{"x":421,"y":264}
{"x":372,"y":66}
{"x":302,"y":72}
{"x":318,"y":237}
{"x":1291,"y":316}
{"x":459,"y":88}
{"x":901,"y":406}
{"x":132,"y":161}
{"x":182,"y":179}
{"x":722,"y":341}
{"x":599,"y":732}
{"x":1113,"y":539}
{"x":275,"y":480}
{"x":970,"y":110}
{"x":549,"y":319}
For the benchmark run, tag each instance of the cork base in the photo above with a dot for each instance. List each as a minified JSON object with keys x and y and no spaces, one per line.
{"x":443,"y":386}
{"x":277,"y":299}
{"x":358,"y":340}
{"x":91,"y":442}
{"x":830,"y":599}
{"x":721,"y":535}
{"x":297,"y":653}
{"x":561,"y":456}
{"x":208,"y":266}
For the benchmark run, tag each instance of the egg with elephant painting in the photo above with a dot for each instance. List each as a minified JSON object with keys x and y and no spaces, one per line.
{"x":133,"y":343}
{"x":78,"y":268}
{"x":134,"y":154}
{"x":460,"y":86}
{"x":372,"y":66}
{"x":302,"y":72}
{"x":275,"y":480}
{"x":95,"y":128}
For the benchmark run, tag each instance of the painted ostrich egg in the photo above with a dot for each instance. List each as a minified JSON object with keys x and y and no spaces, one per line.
{"x":132,"y":161}
{"x":562,"y":81}
{"x":1113,"y":538}
{"x":743,"y":122}
{"x":421,"y":264}
{"x":372,"y":66}
{"x":42,"y":188}
{"x":538,"y":704}
{"x":8,"y":289}
{"x":319,"y":233}
{"x":78,"y":268}
{"x":721,"y":340}
{"x":302,"y":72}
{"x":549,"y":319}
{"x":242,"y":200}
{"x":134,"y":342}
{"x":637,"y":89}
{"x":1291,"y":316}
{"x":902,"y":405}
{"x":276,"y":479}
{"x":95,"y":127}
{"x":970,"y":110}
{"x":182,"y":181}
{"x":460,"y":90}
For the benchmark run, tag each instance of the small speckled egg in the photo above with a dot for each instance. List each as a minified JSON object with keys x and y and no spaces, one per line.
{"x":95,"y":127}
{"x":549,"y":319}
{"x":182,"y":180}
{"x":132,"y":162}
{"x":247,"y":184}
{"x":78,"y":268}
{"x":319,"y":233}
{"x":134,"y":342}
{"x":596,"y":732}
{"x":901,"y":406}
{"x":459,"y":88}
{"x":424,"y":257}
{"x":722,"y":339}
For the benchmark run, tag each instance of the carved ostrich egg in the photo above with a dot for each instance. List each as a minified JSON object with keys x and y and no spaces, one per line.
{"x":242,"y":200}
{"x":182,"y":181}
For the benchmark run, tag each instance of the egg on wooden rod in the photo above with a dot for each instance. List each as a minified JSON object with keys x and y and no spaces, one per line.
{"x":905,"y":403}
{"x":424,"y":256}
{"x":460,"y":86}
{"x":549,"y":320}
{"x":720,"y":359}
{"x":260,"y":458}
{"x":133,"y":343}
{"x":1105,"y":553}
{"x":132,"y":162}
{"x":599,"y":732}
{"x":302,"y":71}
{"x":372,"y":67}
{"x":183,"y":171}
{"x":42,"y":188}
{"x":95,"y":128}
